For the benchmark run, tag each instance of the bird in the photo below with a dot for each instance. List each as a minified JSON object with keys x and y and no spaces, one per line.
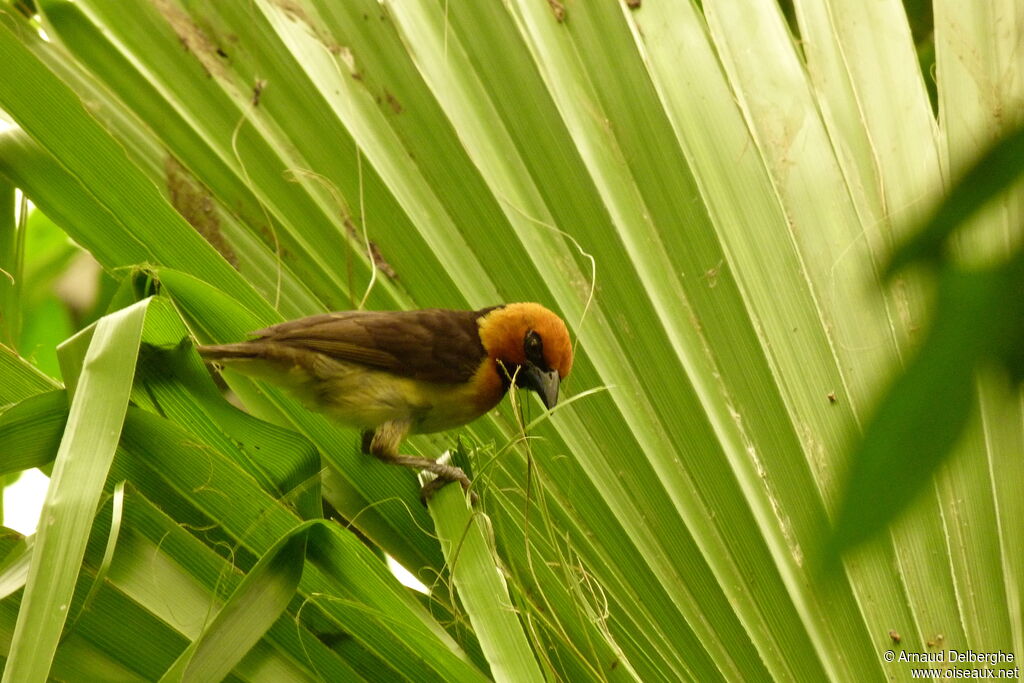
{"x":395,"y":373}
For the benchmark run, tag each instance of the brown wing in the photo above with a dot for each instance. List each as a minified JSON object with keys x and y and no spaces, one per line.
{"x":433,"y":345}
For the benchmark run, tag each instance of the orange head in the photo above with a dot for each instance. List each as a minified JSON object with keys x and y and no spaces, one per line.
{"x":529,"y":343}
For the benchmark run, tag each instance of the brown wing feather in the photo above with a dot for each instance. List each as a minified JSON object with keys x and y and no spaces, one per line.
{"x":432,"y":345}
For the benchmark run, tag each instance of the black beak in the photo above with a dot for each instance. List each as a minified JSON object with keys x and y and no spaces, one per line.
{"x":544,"y":383}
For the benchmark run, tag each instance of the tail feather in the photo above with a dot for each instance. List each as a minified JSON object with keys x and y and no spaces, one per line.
{"x":228,"y":351}
{"x":255,"y":350}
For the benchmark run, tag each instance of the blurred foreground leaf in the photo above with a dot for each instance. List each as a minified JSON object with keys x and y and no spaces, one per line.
{"x":83,"y":460}
{"x":978,"y":321}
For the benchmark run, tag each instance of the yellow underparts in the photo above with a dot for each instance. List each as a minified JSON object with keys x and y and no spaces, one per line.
{"x":366,"y":398}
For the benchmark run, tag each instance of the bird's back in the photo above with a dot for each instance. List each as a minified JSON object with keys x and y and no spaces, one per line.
{"x":369,"y":367}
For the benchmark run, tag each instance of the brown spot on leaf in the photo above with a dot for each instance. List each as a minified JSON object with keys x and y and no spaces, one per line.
{"x":195,"y":204}
{"x":294,"y":10}
{"x":192,"y":37}
{"x":382,"y":264}
{"x":395,"y":105}
{"x":378,"y":258}
{"x":257,"y":91}
{"x":711,"y":274}
{"x":558,"y":9}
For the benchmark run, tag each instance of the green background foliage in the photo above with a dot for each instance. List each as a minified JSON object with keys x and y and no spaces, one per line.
{"x":709,"y":195}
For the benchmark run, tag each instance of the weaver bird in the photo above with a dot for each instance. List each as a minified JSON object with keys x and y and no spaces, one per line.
{"x":391,"y":374}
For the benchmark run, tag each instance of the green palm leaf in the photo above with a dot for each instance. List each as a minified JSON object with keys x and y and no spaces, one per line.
{"x":708,"y":199}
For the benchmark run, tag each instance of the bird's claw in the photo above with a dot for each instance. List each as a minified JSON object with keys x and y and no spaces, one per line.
{"x":443,"y":472}
{"x":450,"y":474}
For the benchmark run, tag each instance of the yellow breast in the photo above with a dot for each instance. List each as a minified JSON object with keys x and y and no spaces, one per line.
{"x":365,"y":398}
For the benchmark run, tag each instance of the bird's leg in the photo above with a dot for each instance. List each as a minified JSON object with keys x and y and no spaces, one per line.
{"x":382,"y":443}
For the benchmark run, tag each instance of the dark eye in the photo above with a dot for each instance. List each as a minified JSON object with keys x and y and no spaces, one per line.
{"x":534,"y":349}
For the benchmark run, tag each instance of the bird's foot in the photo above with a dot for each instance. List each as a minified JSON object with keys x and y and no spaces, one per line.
{"x":444,"y":473}
{"x":434,"y":485}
